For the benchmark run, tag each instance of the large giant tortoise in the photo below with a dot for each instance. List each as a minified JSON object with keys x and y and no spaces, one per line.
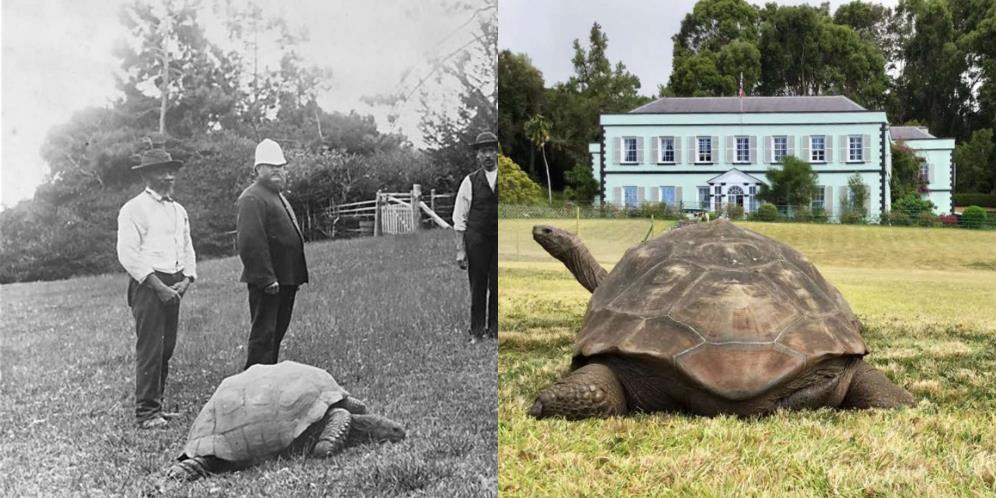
{"x":710,"y":319}
{"x":269,"y":409}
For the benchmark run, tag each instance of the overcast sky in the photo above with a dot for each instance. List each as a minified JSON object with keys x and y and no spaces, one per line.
{"x":639,"y":33}
{"x":57,"y":59}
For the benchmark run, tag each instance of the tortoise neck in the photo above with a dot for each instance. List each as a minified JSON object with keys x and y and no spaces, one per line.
{"x":582,"y":264}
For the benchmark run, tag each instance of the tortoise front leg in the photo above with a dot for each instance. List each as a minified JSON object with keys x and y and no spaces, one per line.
{"x":191,"y":469}
{"x":334,"y":433}
{"x":590,"y":391}
{"x":870,"y":388}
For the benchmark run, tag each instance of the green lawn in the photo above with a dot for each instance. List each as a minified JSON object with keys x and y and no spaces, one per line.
{"x":387,"y":317}
{"x":928,"y":300}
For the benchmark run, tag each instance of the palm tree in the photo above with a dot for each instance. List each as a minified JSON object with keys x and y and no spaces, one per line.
{"x":538,"y":131}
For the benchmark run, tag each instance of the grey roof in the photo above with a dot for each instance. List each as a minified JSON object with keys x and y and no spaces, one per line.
{"x":910,"y":133}
{"x":694,"y":105}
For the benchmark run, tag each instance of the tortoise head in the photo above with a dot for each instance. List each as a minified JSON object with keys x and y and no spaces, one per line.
{"x":559,"y":243}
{"x":369,"y":428}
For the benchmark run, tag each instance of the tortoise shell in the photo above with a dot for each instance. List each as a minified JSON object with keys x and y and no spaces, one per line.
{"x":260,"y":411}
{"x":732,"y":310}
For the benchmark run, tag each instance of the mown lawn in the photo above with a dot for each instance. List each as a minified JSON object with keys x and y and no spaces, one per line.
{"x":928,"y":300}
{"x":387,"y":317}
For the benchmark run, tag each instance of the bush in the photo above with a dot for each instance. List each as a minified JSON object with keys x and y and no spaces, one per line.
{"x":948,"y":219}
{"x":927,"y":219}
{"x":973,"y":217}
{"x":852,"y":217}
{"x":895,"y":218}
{"x":981,"y":200}
{"x":820,"y":215}
{"x":514,"y":185}
{"x":802,"y":214}
{"x":912,"y":205}
{"x":734,"y":211}
{"x":766,"y":212}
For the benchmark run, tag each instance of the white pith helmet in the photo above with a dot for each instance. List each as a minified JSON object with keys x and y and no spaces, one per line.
{"x":269,"y":152}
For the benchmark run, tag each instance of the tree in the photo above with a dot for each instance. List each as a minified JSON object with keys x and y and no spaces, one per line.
{"x":975,"y":161}
{"x":514,"y":186}
{"x":538,"y":131}
{"x":717,"y":44}
{"x":791,"y":185}
{"x":858,"y":195}
{"x":582,"y":186}
{"x":520,"y":95}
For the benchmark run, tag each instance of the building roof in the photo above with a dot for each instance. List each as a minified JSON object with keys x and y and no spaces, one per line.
{"x":694,"y":105}
{"x":910,"y":133}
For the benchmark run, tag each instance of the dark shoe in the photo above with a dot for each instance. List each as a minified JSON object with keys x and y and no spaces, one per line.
{"x":156,"y":422}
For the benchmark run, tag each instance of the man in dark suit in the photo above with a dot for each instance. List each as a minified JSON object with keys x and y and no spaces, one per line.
{"x":475,"y":219}
{"x":271,"y":247}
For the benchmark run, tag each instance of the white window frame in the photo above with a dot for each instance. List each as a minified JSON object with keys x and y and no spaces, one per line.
{"x":703,"y":157}
{"x":626,"y":150}
{"x":851,"y":150}
{"x":822,"y":150}
{"x":819,"y":193}
{"x":775,"y":148}
{"x":737,"y":159}
{"x":661,"y":150}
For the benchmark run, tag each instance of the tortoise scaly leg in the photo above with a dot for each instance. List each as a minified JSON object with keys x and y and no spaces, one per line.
{"x":870,"y":388}
{"x":334,"y":434}
{"x":352,"y":405}
{"x":590,"y":391}
{"x":191,"y":469}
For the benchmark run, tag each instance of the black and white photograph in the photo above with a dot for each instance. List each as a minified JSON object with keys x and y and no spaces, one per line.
{"x":249,"y":248}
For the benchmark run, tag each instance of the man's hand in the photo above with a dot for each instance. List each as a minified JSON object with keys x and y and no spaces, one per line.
{"x":181,"y":286}
{"x":462,"y":259}
{"x":272,"y":288}
{"x":168,"y":295}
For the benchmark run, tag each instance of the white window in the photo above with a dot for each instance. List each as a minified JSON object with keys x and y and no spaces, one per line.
{"x":705,"y":150}
{"x":855,"y":149}
{"x":629,"y":150}
{"x":817,"y":149}
{"x":924,"y":172}
{"x":743,"y":150}
{"x":668,"y":196}
{"x":630,"y":197}
{"x":667,"y":150}
{"x":736,"y":196}
{"x":704,"y":197}
{"x":819,"y":199}
{"x":780,"y":146}
{"x":752,"y":190}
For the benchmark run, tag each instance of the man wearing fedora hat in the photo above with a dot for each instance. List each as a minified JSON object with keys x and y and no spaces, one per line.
{"x":154,"y":247}
{"x":271,"y":247}
{"x":475,"y":219}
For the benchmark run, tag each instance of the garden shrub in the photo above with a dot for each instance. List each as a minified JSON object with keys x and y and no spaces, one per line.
{"x":766,"y":212}
{"x":973,"y":217}
{"x":927,"y":219}
{"x":852,"y":217}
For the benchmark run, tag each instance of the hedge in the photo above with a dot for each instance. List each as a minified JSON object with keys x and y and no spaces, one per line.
{"x":982,"y":200}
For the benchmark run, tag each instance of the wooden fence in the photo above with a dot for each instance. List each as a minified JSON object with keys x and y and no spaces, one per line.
{"x":391,"y":213}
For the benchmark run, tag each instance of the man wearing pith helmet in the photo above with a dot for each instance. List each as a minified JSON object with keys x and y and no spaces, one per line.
{"x":475,"y":219}
{"x":154,"y":247}
{"x":271,"y":247}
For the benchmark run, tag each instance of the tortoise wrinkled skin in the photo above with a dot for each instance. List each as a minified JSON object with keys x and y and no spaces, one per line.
{"x":709,"y":318}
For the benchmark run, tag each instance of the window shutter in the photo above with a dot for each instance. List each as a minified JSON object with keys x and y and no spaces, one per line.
{"x":617,"y":195}
{"x":866,"y":148}
{"x":866,"y":201}
{"x":730,"y":145}
{"x":641,"y":195}
{"x":930,"y":173}
{"x":753,"y":150}
{"x":639,"y":150}
{"x":790,"y":147}
{"x":677,"y":149}
{"x":845,"y":148}
{"x":769,"y":143}
{"x":714,"y":149}
{"x":693,"y":151}
{"x":806,"y":156}
{"x":617,"y":150}
{"x":655,"y":153}
{"x":655,"y":194}
{"x":842,"y":194}
{"x":828,"y":199}
{"x":677,"y":197}
{"x":828,"y":147}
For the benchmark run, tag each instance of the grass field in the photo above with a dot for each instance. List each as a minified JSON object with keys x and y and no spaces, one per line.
{"x":928,"y":300}
{"x":387,"y":317}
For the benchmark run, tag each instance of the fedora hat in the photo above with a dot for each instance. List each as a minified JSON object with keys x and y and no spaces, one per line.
{"x":485,"y":139}
{"x":157,"y":157}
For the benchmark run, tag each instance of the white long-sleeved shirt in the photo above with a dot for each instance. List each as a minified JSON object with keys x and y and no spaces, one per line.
{"x":154,"y":235}
{"x":464,"y":197}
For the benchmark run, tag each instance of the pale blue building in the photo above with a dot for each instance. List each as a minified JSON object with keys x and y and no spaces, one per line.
{"x":706,"y":152}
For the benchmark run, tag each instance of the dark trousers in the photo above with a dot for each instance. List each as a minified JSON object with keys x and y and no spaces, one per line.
{"x":482,"y":268}
{"x":155,"y":328}
{"x":271,"y":314}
